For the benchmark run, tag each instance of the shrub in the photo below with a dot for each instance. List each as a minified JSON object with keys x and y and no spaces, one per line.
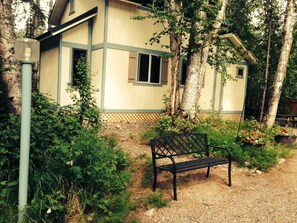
{"x":174,"y":124}
{"x":73,"y":173}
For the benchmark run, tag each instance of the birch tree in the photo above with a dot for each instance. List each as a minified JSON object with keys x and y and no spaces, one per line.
{"x":198,"y":59}
{"x":9,"y":71}
{"x":283,"y":62}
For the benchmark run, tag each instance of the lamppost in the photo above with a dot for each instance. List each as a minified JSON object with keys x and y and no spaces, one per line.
{"x":27,"y":52}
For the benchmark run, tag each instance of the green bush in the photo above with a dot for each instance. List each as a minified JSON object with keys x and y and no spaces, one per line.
{"x":174,"y":124}
{"x":73,"y":172}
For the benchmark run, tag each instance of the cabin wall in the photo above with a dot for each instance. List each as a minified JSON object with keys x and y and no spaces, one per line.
{"x":48,"y":80}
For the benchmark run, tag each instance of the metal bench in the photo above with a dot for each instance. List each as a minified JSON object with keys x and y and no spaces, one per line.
{"x":191,"y":145}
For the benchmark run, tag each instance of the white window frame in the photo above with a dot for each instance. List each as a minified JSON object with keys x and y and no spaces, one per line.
{"x":71,"y":7}
{"x":149,"y":69}
{"x":238,"y":69}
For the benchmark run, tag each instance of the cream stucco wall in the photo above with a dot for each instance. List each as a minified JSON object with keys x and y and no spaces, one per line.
{"x":65,"y":77}
{"x":119,"y":94}
{"x":49,"y":73}
{"x":98,"y":26}
{"x":122,"y":29}
{"x":78,"y":34}
{"x":234,"y":91}
{"x":96,"y":72}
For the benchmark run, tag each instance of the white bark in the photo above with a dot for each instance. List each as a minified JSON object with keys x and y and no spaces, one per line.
{"x":197,"y":66}
{"x":10,"y":75}
{"x":282,"y":63}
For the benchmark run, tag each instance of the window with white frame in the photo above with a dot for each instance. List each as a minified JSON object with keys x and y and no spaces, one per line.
{"x":239,"y":72}
{"x":149,"y":68}
{"x":71,"y":6}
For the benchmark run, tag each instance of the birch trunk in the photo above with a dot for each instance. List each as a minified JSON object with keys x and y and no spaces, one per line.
{"x":175,"y":44}
{"x":10,"y":75}
{"x":282,"y":63}
{"x":197,"y":66}
{"x":173,"y":103}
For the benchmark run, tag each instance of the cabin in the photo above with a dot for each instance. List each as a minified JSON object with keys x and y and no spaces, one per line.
{"x":130,"y":76}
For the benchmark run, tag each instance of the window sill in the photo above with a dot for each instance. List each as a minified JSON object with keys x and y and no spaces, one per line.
{"x":148,"y":84}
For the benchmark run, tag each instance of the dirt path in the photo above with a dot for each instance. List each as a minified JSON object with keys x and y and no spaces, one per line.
{"x":253,"y":197}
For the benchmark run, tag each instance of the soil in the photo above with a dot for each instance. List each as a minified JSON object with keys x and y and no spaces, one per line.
{"x":255,"y":196}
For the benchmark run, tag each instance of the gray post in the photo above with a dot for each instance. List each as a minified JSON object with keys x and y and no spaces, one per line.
{"x":25,"y":140}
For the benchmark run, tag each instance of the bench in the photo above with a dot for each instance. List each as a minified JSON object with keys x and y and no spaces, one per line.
{"x":189,"y":145}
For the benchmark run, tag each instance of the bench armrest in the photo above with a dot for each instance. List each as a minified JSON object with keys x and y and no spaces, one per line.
{"x":221,"y":148}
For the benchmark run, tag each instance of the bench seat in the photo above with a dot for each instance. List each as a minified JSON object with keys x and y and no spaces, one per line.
{"x":194,"y":164}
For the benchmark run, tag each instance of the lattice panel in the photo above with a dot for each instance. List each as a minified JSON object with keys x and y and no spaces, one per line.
{"x":131,"y":116}
{"x":142,"y":116}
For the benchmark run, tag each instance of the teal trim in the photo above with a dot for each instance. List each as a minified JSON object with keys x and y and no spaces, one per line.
{"x":59,"y":71}
{"x":90,"y":39}
{"x":98,"y":46}
{"x":104,"y":54}
{"x":75,"y":45}
{"x":132,"y":48}
{"x":134,"y":110}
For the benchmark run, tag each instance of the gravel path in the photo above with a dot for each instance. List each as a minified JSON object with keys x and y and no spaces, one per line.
{"x":254,"y":196}
{"x":262,"y":197}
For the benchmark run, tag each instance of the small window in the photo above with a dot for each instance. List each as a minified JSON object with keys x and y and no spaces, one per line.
{"x":78,"y":55}
{"x":239,"y":72}
{"x":149,"y":68}
{"x":71,"y":6}
{"x":148,"y":3}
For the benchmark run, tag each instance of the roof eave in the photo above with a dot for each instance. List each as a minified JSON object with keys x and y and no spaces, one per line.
{"x":235,"y":40}
{"x":57,"y":12}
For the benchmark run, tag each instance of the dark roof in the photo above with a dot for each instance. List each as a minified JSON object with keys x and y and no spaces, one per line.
{"x":67,"y":25}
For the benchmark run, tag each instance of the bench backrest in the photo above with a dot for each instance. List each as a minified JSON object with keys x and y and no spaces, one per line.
{"x":180,"y":144}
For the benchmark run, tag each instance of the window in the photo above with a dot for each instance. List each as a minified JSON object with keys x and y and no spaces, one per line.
{"x":78,"y":54}
{"x":149,"y":68}
{"x":71,"y":6}
{"x":183,"y":71}
{"x":239,"y":72}
{"x":147,"y":3}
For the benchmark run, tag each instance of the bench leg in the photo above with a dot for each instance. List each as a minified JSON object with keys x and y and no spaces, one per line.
{"x":229,"y":174}
{"x":174,"y":187}
{"x":155,"y":179}
{"x":208,"y":170}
